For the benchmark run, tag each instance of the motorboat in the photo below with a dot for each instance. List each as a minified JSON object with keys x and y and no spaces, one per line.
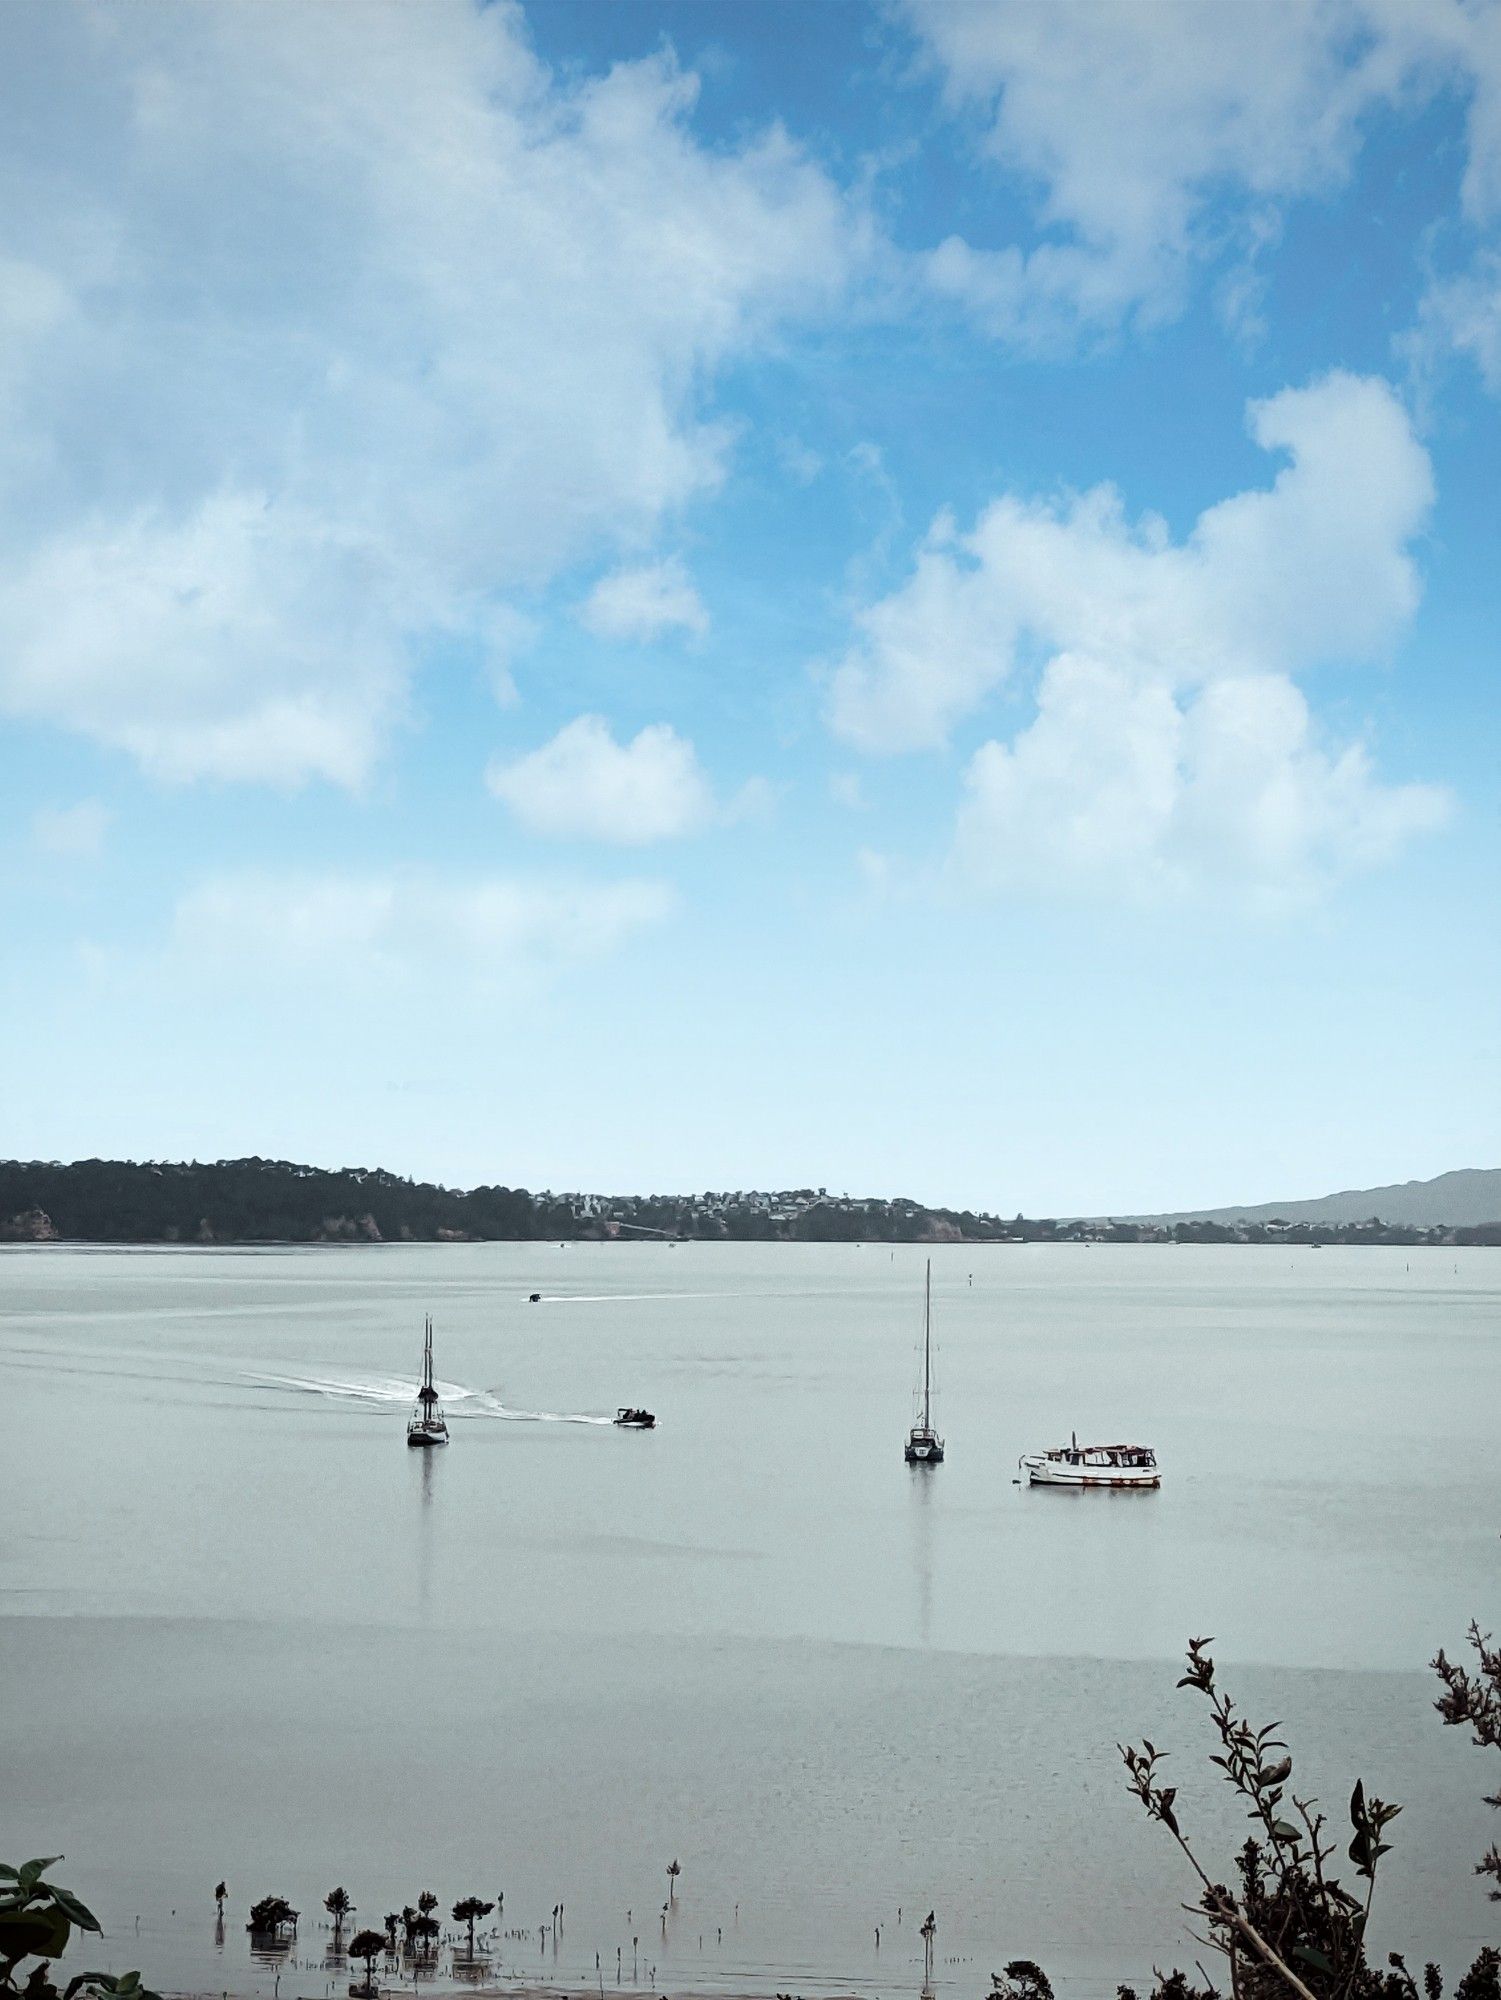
{"x":426,"y":1425}
{"x":924,"y":1445}
{"x":635,"y":1420}
{"x":1075,"y":1464}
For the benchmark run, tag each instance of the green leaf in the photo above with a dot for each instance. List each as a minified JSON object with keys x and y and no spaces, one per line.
{"x":67,"y":1902}
{"x":7,"y":1873}
{"x":1284,"y":1830}
{"x":35,"y":1933}
{"x":1311,"y":1955}
{"x":1357,"y":1804}
{"x":32,"y":1870}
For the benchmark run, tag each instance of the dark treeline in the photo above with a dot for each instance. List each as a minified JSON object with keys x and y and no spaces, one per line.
{"x":255,"y":1201}
{"x":276,"y":1201}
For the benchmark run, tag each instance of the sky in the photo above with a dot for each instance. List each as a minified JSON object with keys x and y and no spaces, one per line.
{"x":651,"y":595}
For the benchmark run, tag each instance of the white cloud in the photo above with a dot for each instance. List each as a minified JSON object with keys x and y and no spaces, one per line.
{"x":71,"y":832}
{"x":410,"y":929}
{"x":1121,"y":788}
{"x":1314,"y":567}
{"x":644,"y":601}
{"x":1170,"y":744}
{"x":1156,"y":130}
{"x":340,"y":325}
{"x":246,"y":640}
{"x":583,"y":785}
{"x":1463,"y":314}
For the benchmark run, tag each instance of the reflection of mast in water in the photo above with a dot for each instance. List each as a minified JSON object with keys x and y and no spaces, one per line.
{"x":922,"y":1553}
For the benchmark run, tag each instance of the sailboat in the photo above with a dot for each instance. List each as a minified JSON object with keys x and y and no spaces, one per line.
{"x":924,"y":1445}
{"x":425,"y":1426}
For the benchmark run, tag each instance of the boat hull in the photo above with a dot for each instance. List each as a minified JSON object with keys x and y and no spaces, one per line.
{"x":924,"y":1451}
{"x":426,"y":1440}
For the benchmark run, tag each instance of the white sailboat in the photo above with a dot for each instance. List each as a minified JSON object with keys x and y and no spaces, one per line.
{"x":426,"y":1425}
{"x":924,"y":1445}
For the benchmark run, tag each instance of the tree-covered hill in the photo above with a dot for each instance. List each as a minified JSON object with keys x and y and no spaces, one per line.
{"x":276,"y":1201}
{"x":255,"y":1201}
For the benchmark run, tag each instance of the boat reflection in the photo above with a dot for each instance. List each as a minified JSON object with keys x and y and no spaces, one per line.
{"x":921,"y":1503}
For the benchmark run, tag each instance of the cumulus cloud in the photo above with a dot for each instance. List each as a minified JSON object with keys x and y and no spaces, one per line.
{"x":644,"y":601}
{"x":1170,"y":740}
{"x":1132,"y":118}
{"x":583,"y":785}
{"x":1315,"y":566}
{"x":326,"y":328}
{"x":1123,"y":788}
{"x":407,"y":928}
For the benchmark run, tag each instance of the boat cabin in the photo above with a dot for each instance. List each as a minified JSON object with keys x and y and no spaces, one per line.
{"x":1104,"y":1456}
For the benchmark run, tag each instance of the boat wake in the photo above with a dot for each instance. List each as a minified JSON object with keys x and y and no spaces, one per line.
{"x":376,"y":1392}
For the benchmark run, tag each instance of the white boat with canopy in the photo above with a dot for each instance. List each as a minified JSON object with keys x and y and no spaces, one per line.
{"x":426,"y":1425}
{"x":1075,"y":1464}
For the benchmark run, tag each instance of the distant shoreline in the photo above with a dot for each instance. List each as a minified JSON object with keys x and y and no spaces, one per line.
{"x":1485,"y":1238}
{"x":243,"y":1203}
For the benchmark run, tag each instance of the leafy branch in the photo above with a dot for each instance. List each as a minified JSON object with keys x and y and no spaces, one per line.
{"x":1475,"y":1700}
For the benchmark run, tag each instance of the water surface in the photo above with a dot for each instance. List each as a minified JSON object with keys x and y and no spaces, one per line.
{"x":244,"y":1632}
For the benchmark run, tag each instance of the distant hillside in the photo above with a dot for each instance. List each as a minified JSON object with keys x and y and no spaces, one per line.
{"x":277,"y":1201}
{"x":1461,"y":1200}
{"x":251,"y":1201}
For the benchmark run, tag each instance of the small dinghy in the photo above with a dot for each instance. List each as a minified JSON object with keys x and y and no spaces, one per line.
{"x":1075,"y":1464}
{"x":426,"y":1425}
{"x":635,"y":1420}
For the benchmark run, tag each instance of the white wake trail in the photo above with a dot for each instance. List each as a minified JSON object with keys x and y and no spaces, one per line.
{"x":390,"y":1391}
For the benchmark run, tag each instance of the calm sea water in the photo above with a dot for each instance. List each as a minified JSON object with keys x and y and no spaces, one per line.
{"x":245,"y":1633}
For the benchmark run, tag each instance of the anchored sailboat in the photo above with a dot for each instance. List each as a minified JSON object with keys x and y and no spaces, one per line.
{"x":924,"y":1445}
{"x":425,"y":1426}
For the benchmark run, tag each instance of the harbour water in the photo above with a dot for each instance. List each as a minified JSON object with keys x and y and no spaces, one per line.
{"x":245,"y":1633}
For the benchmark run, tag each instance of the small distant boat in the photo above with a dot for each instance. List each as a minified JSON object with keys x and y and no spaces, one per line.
{"x":924,"y":1445}
{"x":635,"y":1420}
{"x":1075,"y":1464}
{"x":426,"y":1426}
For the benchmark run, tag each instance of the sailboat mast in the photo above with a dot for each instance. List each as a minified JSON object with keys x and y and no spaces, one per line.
{"x":927,"y":1347}
{"x":427,"y":1353}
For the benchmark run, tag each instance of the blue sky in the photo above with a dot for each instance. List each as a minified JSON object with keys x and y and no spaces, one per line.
{"x":894,"y":596}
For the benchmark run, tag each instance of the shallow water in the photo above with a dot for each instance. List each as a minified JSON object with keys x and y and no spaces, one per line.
{"x":244,"y":1632}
